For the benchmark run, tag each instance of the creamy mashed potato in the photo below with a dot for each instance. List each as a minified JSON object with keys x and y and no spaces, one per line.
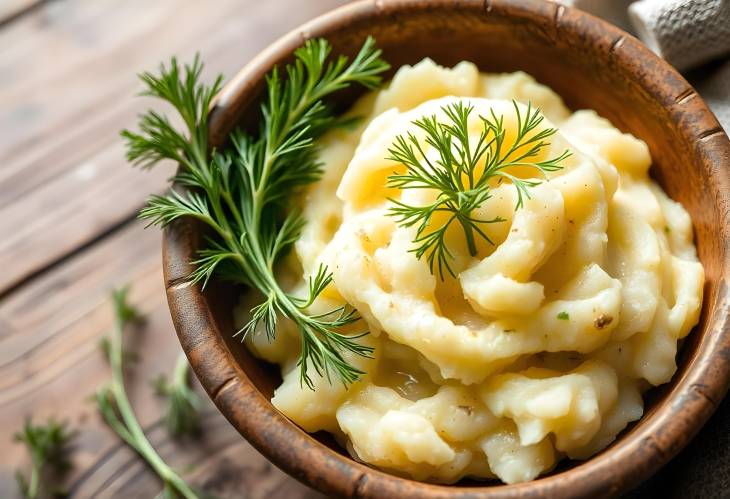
{"x":541,"y":346}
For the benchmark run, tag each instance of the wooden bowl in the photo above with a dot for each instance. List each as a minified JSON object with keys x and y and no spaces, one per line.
{"x":592,"y":65}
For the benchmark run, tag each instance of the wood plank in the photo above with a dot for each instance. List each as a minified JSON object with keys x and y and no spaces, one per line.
{"x":64,"y":179}
{"x":231,"y":468}
{"x":71,"y":210}
{"x":10,"y":10}
{"x":62,"y":312}
{"x":54,"y":94}
{"x":68,"y":67}
{"x":57,"y":364}
{"x":51,"y":365}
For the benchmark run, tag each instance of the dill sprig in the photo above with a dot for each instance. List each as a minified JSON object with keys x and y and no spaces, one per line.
{"x":49,"y":448}
{"x":116,"y":409}
{"x":460,"y":172}
{"x":183,"y":404}
{"x":243,"y":193}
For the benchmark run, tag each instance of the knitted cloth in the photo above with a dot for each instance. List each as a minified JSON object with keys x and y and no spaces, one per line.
{"x":687,"y":33}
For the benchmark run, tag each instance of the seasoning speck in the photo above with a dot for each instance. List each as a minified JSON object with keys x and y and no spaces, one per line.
{"x":602,"y":321}
{"x":467,"y":409}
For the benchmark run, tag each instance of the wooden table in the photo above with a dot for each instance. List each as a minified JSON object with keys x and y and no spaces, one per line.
{"x":68,"y":202}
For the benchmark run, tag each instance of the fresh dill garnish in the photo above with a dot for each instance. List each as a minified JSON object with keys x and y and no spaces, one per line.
{"x":49,"y":448}
{"x":460,"y":172}
{"x":183,"y":404}
{"x":564,"y":316}
{"x":116,"y":409}
{"x":243,"y":193}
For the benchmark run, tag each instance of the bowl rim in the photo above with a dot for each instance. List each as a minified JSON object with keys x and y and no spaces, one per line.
{"x":660,"y":436}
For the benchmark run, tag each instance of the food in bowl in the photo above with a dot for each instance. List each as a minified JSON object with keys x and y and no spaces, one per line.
{"x":536,"y":347}
{"x":482,"y":282}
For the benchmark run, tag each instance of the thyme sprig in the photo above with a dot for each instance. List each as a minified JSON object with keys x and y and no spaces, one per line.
{"x":460,"y":172}
{"x":243,"y":192}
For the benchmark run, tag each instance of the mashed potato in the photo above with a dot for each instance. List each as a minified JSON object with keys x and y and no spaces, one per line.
{"x":541,"y":345}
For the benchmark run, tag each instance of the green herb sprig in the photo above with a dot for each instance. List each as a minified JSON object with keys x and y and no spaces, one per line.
{"x":116,"y":409}
{"x":183,"y":404}
{"x":49,"y":446}
{"x":461,"y":172}
{"x":241,"y":192}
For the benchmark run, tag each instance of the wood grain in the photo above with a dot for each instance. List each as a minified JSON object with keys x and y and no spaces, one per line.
{"x":54,"y":369}
{"x":67,"y":86}
{"x":67,"y":206}
{"x":10,"y":10}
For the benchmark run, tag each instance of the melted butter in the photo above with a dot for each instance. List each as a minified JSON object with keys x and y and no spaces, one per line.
{"x":452,"y":305}
{"x":399,"y":369}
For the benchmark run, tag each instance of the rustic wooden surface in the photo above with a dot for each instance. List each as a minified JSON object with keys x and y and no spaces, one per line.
{"x":67,"y":207}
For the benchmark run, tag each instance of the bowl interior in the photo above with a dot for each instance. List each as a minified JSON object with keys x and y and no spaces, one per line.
{"x":591,"y":65}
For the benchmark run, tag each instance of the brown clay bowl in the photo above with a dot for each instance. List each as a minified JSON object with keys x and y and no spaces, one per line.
{"x":592,"y":65}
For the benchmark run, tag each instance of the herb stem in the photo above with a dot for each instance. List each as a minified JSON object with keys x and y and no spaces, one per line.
{"x":469,"y":235}
{"x":34,"y":482}
{"x":49,"y":449}
{"x":234,"y":208}
{"x":129,"y":428}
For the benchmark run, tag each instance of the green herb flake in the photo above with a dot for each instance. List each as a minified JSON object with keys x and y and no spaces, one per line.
{"x":564,"y":316}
